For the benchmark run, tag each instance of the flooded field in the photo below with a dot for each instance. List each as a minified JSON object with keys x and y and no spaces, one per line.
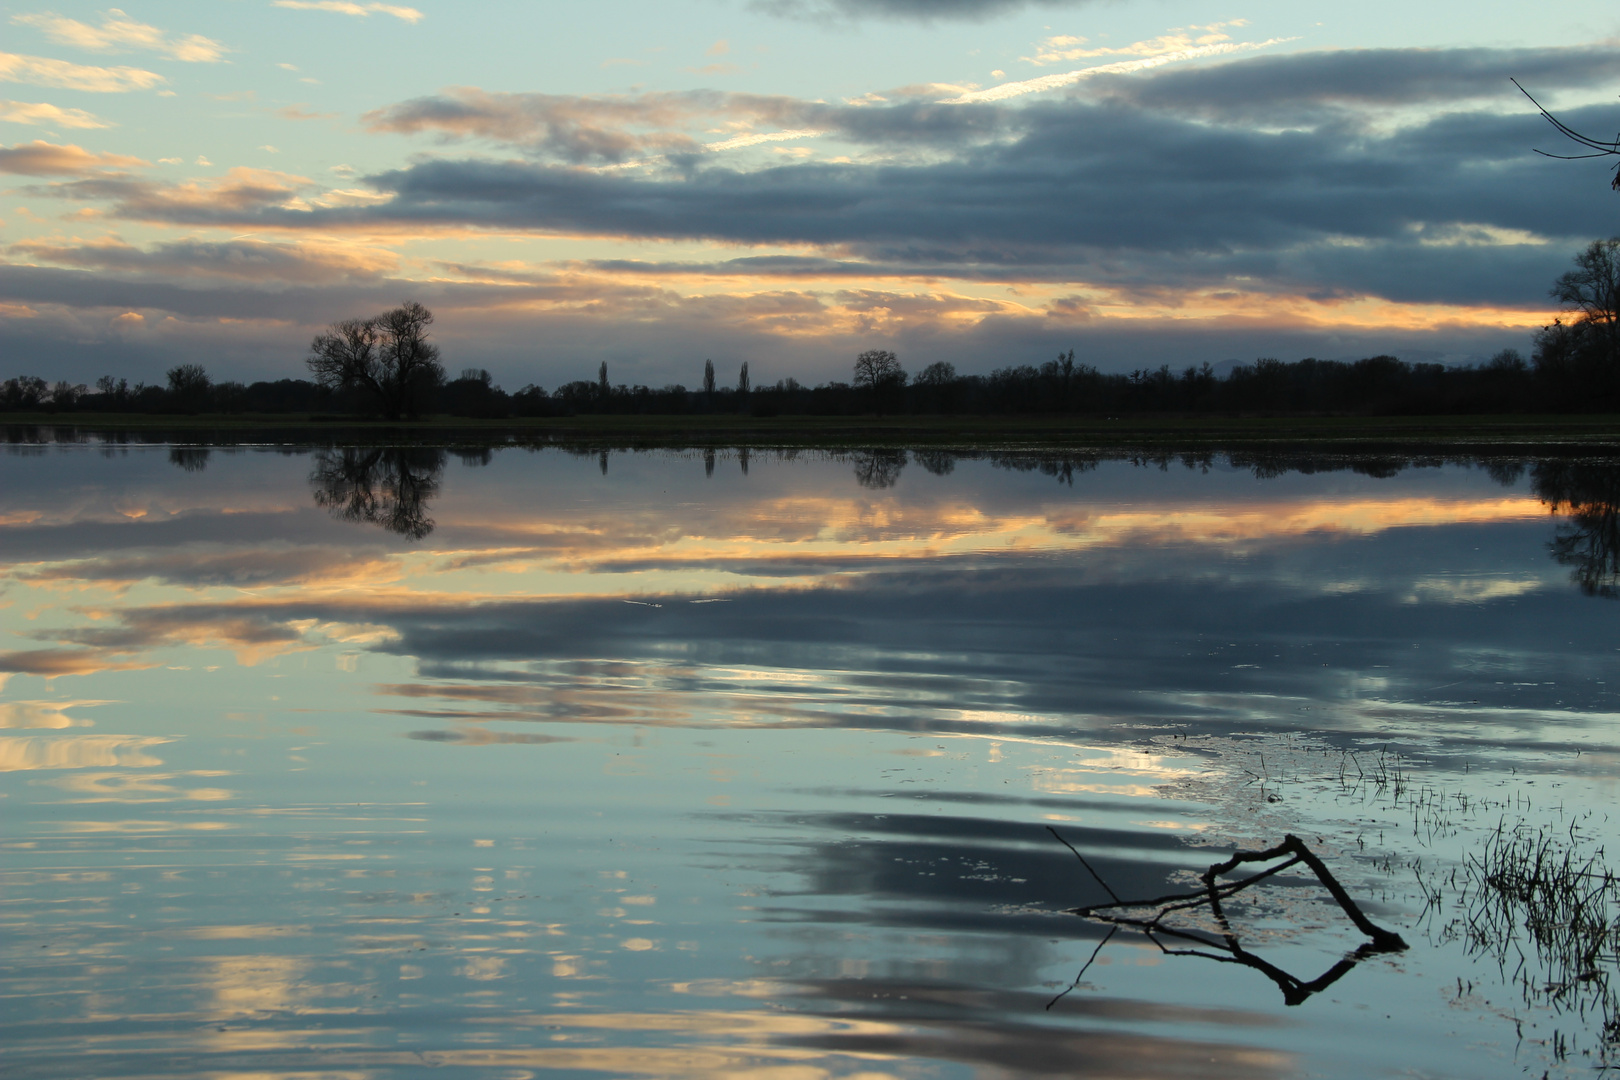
{"x":351,"y":762}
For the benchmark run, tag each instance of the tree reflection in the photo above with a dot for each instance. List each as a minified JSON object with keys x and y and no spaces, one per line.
{"x":189,"y":458}
{"x":387,"y":486}
{"x":878,"y":469}
{"x":1588,"y":493}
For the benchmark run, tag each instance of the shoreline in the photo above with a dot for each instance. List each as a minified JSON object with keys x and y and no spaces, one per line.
{"x":1528,"y":434}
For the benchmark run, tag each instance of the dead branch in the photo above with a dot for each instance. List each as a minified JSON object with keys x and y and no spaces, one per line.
{"x":1292,"y":851}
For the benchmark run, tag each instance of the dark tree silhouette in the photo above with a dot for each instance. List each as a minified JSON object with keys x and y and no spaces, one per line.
{"x":878,"y":368}
{"x":1598,"y":147}
{"x":188,"y":387}
{"x":1593,"y":290}
{"x":708,"y":378}
{"x":386,"y":358}
{"x":1579,"y":360}
{"x":387,"y":486}
{"x":742,"y":379}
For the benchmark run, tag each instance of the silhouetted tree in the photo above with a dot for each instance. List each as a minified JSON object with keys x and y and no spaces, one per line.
{"x":708,"y":378}
{"x":742,"y":379}
{"x":602,"y":388}
{"x":66,"y":395}
{"x":875,"y":368}
{"x":1593,"y":289}
{"x":386,"y":358}
{"x":879,"y":374}
{"x":1579,"y":361}
{"x":188,"y":387}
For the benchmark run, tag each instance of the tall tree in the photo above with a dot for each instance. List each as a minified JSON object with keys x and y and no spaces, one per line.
{"x":878,"y":372}
{"x":876,"y":369}
{"x":708,"y":377}
{"x":602,"y":382}
{"x":386,"y":358}
{"x":1593,"y":290}
{"x":742,"y":379}
{"x":188,"y":387}
{"x":1578,"y":362}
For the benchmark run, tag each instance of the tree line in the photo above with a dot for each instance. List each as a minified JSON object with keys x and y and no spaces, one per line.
{"x":385,"y":366}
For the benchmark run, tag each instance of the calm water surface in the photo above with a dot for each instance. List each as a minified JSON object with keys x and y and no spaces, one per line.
{"x":354,"y":763}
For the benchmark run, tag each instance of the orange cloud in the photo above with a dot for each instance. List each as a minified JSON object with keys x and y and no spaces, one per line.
{"x":40,"y":158}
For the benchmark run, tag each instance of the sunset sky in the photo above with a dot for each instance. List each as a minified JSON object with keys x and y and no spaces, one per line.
{"x":788,"y":182}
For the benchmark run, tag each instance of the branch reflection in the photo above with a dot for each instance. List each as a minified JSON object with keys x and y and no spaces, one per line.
{"x":879,"y":469}
{"x":386,"y":486}
{"x":1588,"y":493}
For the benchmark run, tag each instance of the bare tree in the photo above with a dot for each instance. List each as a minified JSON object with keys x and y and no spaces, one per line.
{"x":1598,"y":147}
{"x":876,"y":369}
{"x":742,"y":380}
{"x":1593,"y":289}
{"x":188,"y":387}
{"x":388,"y":358}
{"x":708,"y":377}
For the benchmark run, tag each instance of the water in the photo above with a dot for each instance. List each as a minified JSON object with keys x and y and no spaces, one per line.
{"x":349,"y":763}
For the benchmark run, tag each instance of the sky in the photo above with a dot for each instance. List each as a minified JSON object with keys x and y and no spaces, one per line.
{"x":789,"y":182}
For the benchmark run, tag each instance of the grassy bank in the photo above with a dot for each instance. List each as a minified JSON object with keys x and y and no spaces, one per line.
{"x":1340,"y":434}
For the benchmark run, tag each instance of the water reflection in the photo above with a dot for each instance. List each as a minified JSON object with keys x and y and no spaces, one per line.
{"x":189,"y":458}
{"x":646,"y":773}
{"x":879,"y":469}
{"x":1587,"y":494}
{"x":386,"y":486}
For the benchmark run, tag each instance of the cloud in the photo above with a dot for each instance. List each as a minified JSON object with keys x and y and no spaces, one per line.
{"x":1068,"y":47}
{"x":568,"y":127}
{"x":239,"y":567}
{"x":241,"y":259}
{"x":119,"y":33}
{"x":1110,"y":193}
{"x":42,"y":71}
{"x":1120,"y":67}
{"x":241,"y":192}
{"x":54,"y":662}
{"x":910,"y":10}
{"x":1303,"y":84}
{"x":1099,"y":177}
{"x":299,"y":112}
{"x":42,"y":114}
{"x":345,"y":7}
{"x":649,"y":128}
{"x":1330,"y":202}
{"x":40,"y":158}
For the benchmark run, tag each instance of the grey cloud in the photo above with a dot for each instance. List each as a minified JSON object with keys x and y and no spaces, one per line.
{"x":204,"y":569}
{"x":305,"y":306}
{"x":251,"y":260}
{"x":1083,"y":176}
{"x":1296,"y":83}
{"x":614,"y":129}
{"x":1010,"y":187}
